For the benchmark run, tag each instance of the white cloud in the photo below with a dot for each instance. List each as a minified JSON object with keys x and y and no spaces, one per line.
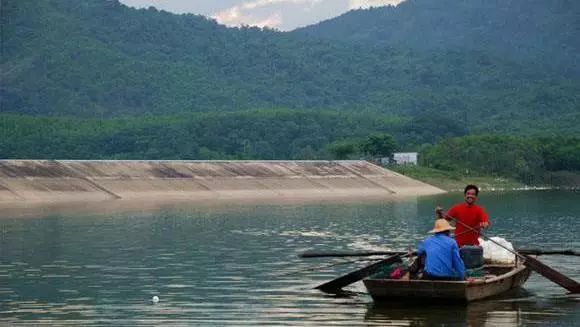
{"x":280,"y":14}
{"x":247,"y":14}
{"x":274,"y":20}
{"x":236,"y":17}
{"x":356,"y":4}
{"x":264,"y":3}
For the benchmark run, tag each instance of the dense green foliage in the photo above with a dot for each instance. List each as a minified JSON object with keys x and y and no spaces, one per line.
{"x":528,"y":159}
{"x":286,"y":134}
{"x":536,"y":32}
{"x":261,"y":134}
{"x":100,"y":59}
{"x":379,"y":146}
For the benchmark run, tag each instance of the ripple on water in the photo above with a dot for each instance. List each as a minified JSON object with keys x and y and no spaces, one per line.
{"x":240,"y":267}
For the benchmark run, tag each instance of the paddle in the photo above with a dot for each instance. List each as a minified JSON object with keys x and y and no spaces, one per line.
{"x":552,"y":274}
{"x":546,"y":252}
{"x":347,"y":254}
{"x":335,"y":285}
{"x":536,"y":265}
{"x":353,"y":254}
{"x":312,"y":254}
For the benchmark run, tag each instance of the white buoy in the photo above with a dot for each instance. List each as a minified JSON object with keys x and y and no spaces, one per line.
{"x":155,"y":299}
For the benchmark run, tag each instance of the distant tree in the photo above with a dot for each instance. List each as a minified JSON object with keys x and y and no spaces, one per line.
{"x":308,"y":153}
{"x":379,"y":145}
{"x":342,"y":149}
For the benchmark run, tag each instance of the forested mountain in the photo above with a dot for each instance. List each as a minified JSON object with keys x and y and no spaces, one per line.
{"x":538,"y":32}
{"x":256,"y":134}
{"x":94,"y":79}
{"x":98,"y":58}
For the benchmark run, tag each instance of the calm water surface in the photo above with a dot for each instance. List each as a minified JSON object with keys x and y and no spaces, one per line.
{"x":240,"y":265}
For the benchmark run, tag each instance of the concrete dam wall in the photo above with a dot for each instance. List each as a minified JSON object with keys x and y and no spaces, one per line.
{"x":68,"y":181}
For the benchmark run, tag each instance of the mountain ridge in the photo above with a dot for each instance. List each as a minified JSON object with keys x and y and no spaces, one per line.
{"x":101,"y":59}
{"x":539,"y":32}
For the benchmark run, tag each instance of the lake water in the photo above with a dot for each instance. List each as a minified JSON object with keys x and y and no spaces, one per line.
{"x":240,"y":265}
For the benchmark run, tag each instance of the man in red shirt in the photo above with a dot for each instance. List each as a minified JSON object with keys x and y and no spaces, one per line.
{"x":470,"y":214}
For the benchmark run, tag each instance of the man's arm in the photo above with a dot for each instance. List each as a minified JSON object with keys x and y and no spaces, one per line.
{"x":449,"y":215}
{"x":421,"y":249}
{"x":458,"y":264}
{"x":483,"y":218}
{"x":441,"y":214}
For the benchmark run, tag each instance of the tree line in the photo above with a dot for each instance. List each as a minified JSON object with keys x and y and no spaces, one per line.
{"x":256,"y":134}
{"x":532,"y":159}
{"x":286,"y":134}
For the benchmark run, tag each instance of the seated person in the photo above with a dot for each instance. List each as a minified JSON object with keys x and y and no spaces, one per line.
{"x":442,"y":260}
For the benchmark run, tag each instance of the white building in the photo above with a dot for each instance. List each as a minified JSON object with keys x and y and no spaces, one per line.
{"x":405,"y":158}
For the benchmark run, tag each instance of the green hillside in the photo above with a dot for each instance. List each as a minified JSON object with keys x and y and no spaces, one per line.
{"x":533,"y":32}
{"x":100,"y":59}
{"x":257,"y":134}
{"x":295,"y":134}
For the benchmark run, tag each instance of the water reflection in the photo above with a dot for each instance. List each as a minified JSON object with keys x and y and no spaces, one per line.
{"x":515,"y":309}
{"x":239,"y":265}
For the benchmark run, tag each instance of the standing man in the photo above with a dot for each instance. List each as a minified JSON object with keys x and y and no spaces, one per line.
{"x":442,"y":260}
{"x":467,"y":214}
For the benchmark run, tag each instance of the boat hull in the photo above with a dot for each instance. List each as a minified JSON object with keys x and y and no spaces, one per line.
{"x":456,"y":291}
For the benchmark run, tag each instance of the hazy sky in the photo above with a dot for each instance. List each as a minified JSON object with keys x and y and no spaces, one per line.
{"x":280,"y":14}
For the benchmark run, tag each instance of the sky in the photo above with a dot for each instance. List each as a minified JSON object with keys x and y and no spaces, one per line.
{"x":283,"y":15}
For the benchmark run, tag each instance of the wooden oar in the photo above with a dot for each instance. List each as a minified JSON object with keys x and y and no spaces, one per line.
{"x":536,"y":265}
{"x":311,"y":254}
{"x":553,"y":275}
{"x":347,"y":254}
{"x":547,"y":252}
{"x":354,"y":254}
{"x":335,"y":285}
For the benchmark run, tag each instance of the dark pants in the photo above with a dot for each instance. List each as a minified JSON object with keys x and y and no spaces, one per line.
{"x":426,"y":276}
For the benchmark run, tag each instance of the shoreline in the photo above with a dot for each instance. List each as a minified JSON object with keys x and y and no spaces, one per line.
{"x":26,"y":184}
{"x":31,"y":209}
{"x":151,"y":204}
{"x":455,"y":182}
{"x":515,"y":189}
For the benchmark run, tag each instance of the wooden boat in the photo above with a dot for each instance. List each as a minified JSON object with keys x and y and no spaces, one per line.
{"x":499,"y":279}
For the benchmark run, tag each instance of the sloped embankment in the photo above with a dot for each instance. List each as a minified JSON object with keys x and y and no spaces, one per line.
{"x":64,"y":181}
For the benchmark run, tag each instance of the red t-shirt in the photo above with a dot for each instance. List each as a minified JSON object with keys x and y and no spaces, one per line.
{"x":472,"y":216}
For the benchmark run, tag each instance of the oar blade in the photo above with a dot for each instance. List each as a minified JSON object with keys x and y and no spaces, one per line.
{"x":551,"y":274}
{"x":335,"y":285}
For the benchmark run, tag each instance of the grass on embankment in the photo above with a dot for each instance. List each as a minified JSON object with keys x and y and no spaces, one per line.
{"x":454,"y":181}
